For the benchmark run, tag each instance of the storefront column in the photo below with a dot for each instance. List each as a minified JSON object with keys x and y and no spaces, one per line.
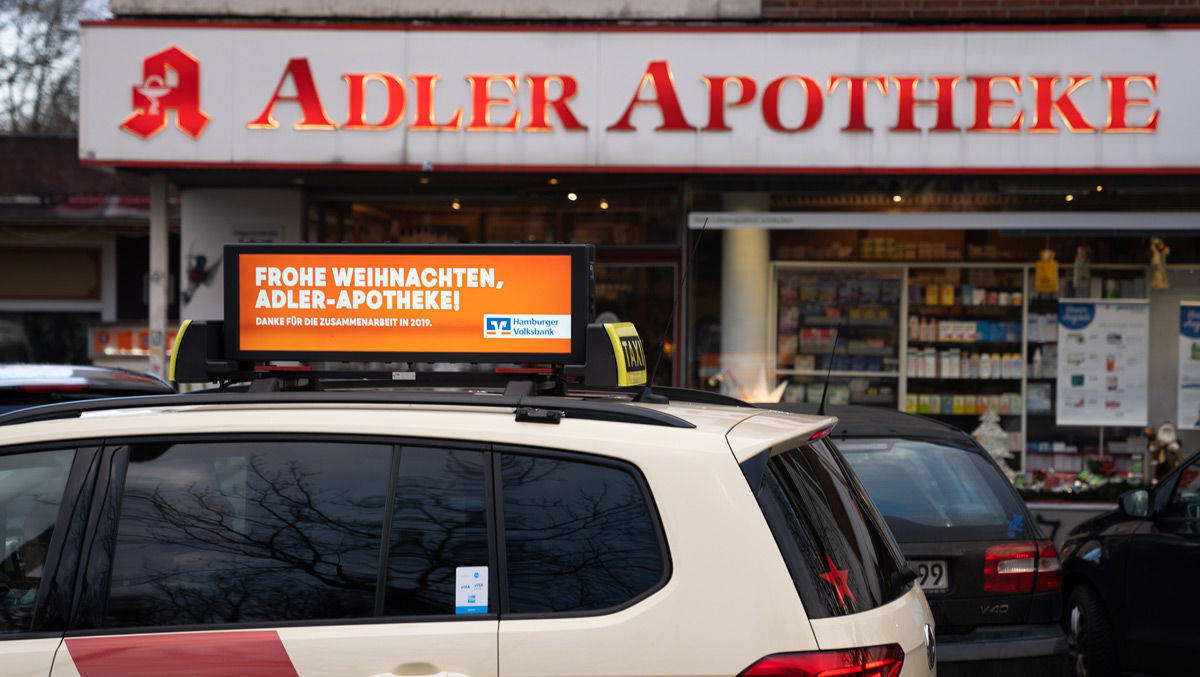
{"x":158,"y":279}
{"x":210,"y":218}
{"x":745,"y":292}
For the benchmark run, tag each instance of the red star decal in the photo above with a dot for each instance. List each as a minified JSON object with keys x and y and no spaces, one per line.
{"x":837,"y":578}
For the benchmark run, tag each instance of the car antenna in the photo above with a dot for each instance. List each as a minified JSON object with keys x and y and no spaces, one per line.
{"x":837,"y":333}
{"x":647,"y":394}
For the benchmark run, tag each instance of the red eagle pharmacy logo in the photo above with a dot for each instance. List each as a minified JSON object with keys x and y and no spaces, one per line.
{"x":170,"y":84}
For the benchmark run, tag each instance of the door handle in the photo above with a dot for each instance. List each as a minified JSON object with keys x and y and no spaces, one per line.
{"x":430,"y":674}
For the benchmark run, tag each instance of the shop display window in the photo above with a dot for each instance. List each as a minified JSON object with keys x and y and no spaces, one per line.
{"x":861,"y":310}
{"x":950,"y":341}
{"x":963,"y":354}
{"x":1052,"y":448}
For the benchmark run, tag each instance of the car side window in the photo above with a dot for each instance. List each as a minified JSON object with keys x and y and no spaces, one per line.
{"x":439,"y":526}
{"x":253,"y":531}
{"x":1185,"y":500}
{"x":578,"y":536}
{"x":31,"y":492}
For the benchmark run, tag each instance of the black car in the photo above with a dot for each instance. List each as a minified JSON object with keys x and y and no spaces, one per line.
{"x":1132,"y":582}
{"x":28,"y":385}
{"x":991,"y":579}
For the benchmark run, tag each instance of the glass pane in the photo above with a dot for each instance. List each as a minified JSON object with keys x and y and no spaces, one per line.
{"x":930,"y":491}
{"x":229,"y":532}
{"x":439,"y":524}
{"x":642,"y":295}
{"x":858,"y":308}
{"x":579,"y":536}
{"x":840,"y":554}
{"x":31,"y":489}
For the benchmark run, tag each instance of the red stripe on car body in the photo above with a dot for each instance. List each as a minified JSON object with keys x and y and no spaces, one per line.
{"x":255,"y":653}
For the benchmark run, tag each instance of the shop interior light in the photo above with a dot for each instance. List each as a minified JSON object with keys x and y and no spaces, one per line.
{"x":455,"y":205}
{"x":1070,"y":197}
{"x":603,"y":203}
{"x":1099,"y":188}
{"x":572,"y":197}
{"x":424,"y":179}
{"x":553,"y":181}
{"x":897,"y":198}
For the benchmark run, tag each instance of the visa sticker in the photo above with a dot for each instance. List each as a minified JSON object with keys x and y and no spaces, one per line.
{"x":470,"y":590}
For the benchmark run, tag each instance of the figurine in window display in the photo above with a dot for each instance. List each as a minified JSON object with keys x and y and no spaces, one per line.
{"x":1163,"y":448}
{"x":1082,"y":271}
{"x":1158,"y":264}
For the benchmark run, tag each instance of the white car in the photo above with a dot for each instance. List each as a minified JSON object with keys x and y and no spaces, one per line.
{"x":459,"y":535}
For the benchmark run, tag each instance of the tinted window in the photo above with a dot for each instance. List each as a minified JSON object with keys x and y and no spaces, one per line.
{"x":31,"y":490}
{"x":936,"y":492}
{"x":837,"y":549}
{"x":248,"y":531}
{"x":1185,"y":500}
{"x":579,"y":536}
{"x":439,"y":524}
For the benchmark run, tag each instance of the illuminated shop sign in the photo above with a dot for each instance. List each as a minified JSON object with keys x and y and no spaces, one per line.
{"x":379,"y":97}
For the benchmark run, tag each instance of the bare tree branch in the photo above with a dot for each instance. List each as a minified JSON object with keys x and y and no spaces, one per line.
{"x":39,"y":63}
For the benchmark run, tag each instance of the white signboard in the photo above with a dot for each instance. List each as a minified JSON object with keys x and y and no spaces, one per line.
{"x":1189,"y":366}
{"x":1103,"y":353}
{"x":665,"y":99}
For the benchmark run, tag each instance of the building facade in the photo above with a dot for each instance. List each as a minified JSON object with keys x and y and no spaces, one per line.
{"x":880,"y":175}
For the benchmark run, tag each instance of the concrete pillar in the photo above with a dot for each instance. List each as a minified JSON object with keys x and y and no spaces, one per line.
{"x":745,"y":294}
{"x":158,"y":278}
{"x":212,"y":217}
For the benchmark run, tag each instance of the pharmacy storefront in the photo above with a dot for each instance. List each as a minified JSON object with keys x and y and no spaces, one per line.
{"x":893,"y":187}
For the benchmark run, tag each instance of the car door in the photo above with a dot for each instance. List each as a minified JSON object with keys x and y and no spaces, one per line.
{"x":284,"y":555}
{"x":44,"y":493}
{"x":1163,"y":581}
{"x":583,"y":545}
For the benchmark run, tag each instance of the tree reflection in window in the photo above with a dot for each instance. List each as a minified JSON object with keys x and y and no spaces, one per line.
{"x":248,"y":531}
{"x":439,"y":524}
{"x":578,"y":536}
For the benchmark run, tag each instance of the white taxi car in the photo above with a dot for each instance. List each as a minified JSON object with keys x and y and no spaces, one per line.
{"x":450,"y":534}
{"x":558,"y":526}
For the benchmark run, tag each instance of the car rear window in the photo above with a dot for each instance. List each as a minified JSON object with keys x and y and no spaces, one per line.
{"x":935,"y":491}
{"x":837,"y":548}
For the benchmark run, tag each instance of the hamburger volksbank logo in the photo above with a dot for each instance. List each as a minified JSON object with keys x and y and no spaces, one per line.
{"x":527,"y":326}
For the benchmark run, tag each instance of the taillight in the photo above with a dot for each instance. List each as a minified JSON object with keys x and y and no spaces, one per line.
{"x":872,"y":661}
{"x":1010,"y":567}
{"x":1049,"y":569}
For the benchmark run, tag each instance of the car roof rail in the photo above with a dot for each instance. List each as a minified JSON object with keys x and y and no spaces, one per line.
{"x":530,"y":407}
{"x":674,"y":394}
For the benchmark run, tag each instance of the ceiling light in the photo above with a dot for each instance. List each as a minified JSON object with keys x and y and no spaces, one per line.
{"x":553,"y":181}
{"x":424,"y":179}
{"x":1070,"y":197}
{"x":572,"y":197}
{"x":896,"y":198}
{"x":1099,"y":188}
{"x":603,"y":203}
{"x":455,"y":205}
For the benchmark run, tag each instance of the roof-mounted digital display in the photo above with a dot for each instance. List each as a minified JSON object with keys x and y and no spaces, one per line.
{"x":455,"y":303}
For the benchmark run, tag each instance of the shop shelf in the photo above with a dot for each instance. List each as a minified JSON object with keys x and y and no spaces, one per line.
{"x":846,"y":374}
{"x":959,"y":344}
{"x":822,"y":321}
{"x":964,"y":311}
{"x":960,"y":378}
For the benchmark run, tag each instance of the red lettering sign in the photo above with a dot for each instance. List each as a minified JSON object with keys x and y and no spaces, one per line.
{"x":312,"y":114}
{"x":658,"y":75}
{"x":356,"y":84}
{"x":170,"y":82}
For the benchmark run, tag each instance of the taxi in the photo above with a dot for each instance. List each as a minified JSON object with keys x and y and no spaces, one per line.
{"x":526,"y":521}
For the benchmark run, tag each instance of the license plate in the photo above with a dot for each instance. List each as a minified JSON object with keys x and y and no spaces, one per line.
{"x":931,"y":573}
